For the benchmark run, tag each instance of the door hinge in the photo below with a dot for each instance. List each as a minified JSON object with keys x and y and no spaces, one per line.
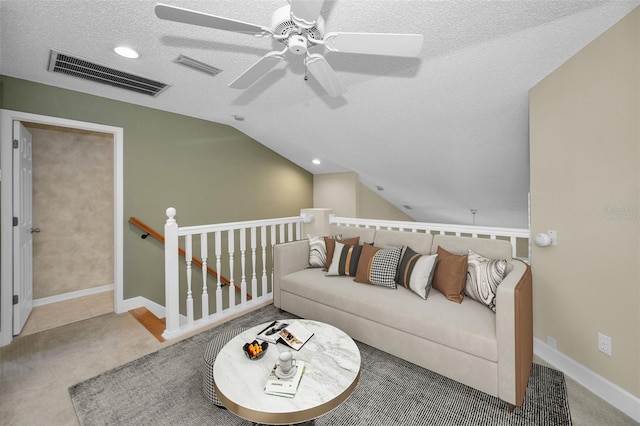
{"x":15,"y":221}
{"x":15,"y":299}
{"x":16,"y":144}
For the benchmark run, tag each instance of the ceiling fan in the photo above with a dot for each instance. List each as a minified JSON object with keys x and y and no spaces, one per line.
{"x":299,"y":27}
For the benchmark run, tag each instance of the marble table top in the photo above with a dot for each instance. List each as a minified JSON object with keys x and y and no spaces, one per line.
{"x":332,"y":371}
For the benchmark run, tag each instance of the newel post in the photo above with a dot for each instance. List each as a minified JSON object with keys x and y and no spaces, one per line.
{"x":171,"y":275}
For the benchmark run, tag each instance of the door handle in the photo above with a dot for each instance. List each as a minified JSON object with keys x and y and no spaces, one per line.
{"x":35,"y":230}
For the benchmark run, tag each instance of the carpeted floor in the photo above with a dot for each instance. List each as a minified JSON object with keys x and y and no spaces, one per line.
{"x":164,"y":388}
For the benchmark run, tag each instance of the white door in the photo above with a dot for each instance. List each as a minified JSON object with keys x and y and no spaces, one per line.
{"x":23,"y":226}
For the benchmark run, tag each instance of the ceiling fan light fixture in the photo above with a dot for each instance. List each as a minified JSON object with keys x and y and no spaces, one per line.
{"x":126,"y":52}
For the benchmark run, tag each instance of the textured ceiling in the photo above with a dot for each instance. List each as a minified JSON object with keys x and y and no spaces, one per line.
{"x":443,"y":133}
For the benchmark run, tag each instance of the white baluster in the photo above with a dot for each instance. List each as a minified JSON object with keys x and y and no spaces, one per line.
{"x":514,"y":246}
{"x":298,"y":231}
{"x":218,"y":247}
{"x":273,"y":235}
{"x":189,"y":258}
{"x":254,"y":279}
{"x":290,"y":232}
{"x":204,"y":250}
{"x":243,"y":280}
{"x":274,"y":241}
{"x":281,"y":240}
{"x":263,"y":243}
{"x":172,"y":275}
{"x":232,"y":288}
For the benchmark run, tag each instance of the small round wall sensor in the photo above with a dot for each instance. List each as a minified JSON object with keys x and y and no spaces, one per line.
{"x":543,"y":240}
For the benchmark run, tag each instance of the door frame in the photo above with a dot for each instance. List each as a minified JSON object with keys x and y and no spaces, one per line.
{"x":7,"y":117}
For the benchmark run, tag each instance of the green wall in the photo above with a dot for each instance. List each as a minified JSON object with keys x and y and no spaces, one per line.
{"x":210,"y":172}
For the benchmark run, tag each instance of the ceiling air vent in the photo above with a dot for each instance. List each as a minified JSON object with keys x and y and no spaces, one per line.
{"x":200,"y":66}
{"x":82,"y":68}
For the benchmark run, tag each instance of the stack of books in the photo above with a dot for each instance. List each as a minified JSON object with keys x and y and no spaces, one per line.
{"x":284,"y":387}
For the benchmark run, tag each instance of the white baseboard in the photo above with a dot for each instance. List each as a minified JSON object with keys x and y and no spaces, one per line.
{"x":610,"y":392}
{"x":72,"y":295}
{"x":139,"y":301}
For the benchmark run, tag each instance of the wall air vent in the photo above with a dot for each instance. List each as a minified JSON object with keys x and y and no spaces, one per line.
{"x":82,"y":68}
{"x":195,"y":64}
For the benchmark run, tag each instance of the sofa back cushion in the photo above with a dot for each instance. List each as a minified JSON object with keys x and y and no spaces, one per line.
{"x":493,"y":249}
{"x":366,"y":234}
{"x":420,"y":242}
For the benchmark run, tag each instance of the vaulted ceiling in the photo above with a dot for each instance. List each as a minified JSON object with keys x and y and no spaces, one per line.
{"x":443,"y":133}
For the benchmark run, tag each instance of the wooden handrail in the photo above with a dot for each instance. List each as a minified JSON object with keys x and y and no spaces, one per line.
{"x":158,"y":236}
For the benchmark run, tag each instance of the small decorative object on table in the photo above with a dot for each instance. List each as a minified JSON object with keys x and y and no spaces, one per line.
{"x":255,"y":350}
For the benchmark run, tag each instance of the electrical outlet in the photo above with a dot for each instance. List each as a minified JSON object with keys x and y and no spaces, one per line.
{"x":552,"y":343}
{"x":604,"y":344}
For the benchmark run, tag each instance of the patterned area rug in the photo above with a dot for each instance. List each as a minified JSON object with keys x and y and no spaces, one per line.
{"x":164,"y":388}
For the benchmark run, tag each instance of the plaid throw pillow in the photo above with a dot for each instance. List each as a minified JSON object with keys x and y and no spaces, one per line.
{"x":378,"y":266}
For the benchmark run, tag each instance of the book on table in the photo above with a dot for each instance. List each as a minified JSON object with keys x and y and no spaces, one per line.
{"x":291,"y":333}
{"x":284,"y":387}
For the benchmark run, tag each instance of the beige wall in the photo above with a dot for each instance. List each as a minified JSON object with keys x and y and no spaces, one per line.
{"x":585,"y":184}
{"x":347,"y":197}
{"x":373,"y":206}
{"x":337,"y":191}
{"x":73,"y":207}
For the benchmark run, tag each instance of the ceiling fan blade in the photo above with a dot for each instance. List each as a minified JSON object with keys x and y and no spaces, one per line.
{"x":257,"y":70}
{"x":408,"y":45}
{"x":186,"y":16}
{"x":324,"y":74}
{"x":305,"y":12}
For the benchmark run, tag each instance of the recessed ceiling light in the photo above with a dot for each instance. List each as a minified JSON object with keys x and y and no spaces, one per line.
{"x":127,"y":52}
{"x":315,"y":161}
{"x":238,"y":117}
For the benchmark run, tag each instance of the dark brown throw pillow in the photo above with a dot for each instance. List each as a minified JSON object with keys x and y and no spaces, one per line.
{"x":331,"y":246}
{"x":450,"y":275}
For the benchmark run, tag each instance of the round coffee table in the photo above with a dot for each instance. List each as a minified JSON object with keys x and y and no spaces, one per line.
{"x":332,"y":370}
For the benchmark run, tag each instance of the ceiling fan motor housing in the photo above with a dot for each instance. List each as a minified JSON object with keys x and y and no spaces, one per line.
{"x":297,"y":44}
{"x":283,"y":25}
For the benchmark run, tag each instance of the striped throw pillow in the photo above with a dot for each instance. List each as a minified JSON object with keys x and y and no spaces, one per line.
{"x":345,"y":259}
{"x":415,"y":272}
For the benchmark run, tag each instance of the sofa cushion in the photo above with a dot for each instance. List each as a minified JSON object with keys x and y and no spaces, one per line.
{"x":345,"y":259}
{"x":330,"y":243}
{"x":415,"y":272}
{"x":493,"y":249}
{"x":450,"y":275}
{"x":483,"y":277}
{"x":468,"y":326}
{"x":418,"y":241}
{"x":365,"y":234}
{"x":378,"y":266}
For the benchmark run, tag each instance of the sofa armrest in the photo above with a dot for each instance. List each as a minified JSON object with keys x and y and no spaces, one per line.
{"x":287,"y":258}
{"x":514,"y":330}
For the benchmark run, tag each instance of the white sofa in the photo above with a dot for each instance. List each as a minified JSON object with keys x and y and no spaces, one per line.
{"x":466,"y":342}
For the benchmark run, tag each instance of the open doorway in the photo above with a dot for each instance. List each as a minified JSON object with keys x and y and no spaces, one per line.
{"x":84,"y":284}
{"x":73,"y":246}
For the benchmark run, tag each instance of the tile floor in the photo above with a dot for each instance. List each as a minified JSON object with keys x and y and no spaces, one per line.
{"x":66,"y":312}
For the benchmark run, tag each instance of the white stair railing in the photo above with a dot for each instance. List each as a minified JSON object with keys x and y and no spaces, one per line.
{"x":252,"y":236}
{"x":512,"y":234}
